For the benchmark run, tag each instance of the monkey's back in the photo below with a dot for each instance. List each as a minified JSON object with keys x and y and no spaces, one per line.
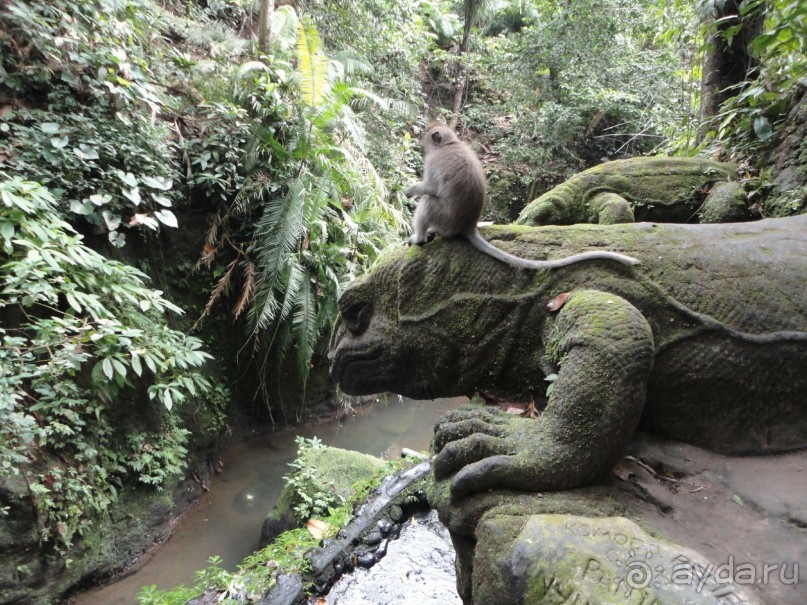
{"x":462,"y":183}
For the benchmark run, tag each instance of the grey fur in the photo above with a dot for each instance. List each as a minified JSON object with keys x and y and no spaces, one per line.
{"x":452,"y":194}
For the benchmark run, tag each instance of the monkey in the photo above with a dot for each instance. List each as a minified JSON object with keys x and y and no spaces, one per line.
{"x":452,"y":194}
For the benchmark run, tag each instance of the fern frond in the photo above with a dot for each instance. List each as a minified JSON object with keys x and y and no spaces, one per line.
{"x":313,"y":65}
{"x":250,"y":66}
{"x":276,"y":235}
{"x":305,"y":328}
{"x":399,"y":107}
{"x":353,"y":64}
{"x":246,"y":290}
{"x":292,"y":288}
{"x":220,"y":288}
{"x":284,"y":27}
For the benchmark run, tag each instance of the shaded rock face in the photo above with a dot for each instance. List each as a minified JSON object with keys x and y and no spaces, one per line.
{"x":33,"y":575}
{"x":660,"y":189}
{"x":788,"y":157}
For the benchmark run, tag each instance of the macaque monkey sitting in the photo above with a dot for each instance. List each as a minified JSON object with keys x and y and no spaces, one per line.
{"x":452,"y":194}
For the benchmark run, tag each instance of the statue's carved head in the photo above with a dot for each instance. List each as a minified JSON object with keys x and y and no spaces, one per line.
{"x":425,"y":323}
{"x":373,"y":350}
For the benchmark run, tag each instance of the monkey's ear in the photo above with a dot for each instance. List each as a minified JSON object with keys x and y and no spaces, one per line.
{"x":437,"y":138}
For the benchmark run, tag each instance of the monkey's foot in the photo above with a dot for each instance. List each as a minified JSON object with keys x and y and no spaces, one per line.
{"x":415,"y":241}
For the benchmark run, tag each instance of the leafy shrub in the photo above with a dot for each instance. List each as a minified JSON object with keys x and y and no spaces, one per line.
{"x":747,"y":120}
{"x":92,"y":379}
{"x":312,"y":211}
{"x":84,"y":122}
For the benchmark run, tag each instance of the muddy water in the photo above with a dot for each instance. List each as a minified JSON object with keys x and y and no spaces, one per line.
{"x":227,"y":520}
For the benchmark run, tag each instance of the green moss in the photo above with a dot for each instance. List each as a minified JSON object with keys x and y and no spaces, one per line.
{"x":657,"y":189}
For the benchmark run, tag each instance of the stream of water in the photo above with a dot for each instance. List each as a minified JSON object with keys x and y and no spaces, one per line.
{"x":227,"y":520}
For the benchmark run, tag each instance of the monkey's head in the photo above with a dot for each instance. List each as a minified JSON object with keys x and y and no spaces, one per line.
{"x":437,"y":135}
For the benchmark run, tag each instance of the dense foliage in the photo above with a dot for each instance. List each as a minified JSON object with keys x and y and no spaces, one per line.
{"x":92,"y":380}
{"x":120,"y":120}
{"x":319,"y":211}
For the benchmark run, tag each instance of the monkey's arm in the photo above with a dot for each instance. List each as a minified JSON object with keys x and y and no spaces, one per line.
{"x":605,"y":349}
{"x":420,"y":188}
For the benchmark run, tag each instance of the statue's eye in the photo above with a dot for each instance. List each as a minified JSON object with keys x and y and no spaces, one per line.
{"x":357,"y":316}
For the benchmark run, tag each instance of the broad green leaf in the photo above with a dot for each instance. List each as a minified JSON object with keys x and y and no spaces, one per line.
{"x":119,"y":367}
{"x":763,"y":128}
{"x":50,"y":127}
{"x":157,"y":182}
{"x":100,"y":199}
{"x":161,"y":200}
{"x":83,"y":208}
{"x":133,"y":195}
{"x":111,"y":220}
{"x":117,"y":239}
{"x":166,"y":217}
{"x":71,"y":300}
{"x":7,"y":230}
{"x":136,"y":365}
{"x":127,"y":178}
{"x":150,"y":363}
{"x":85,"y":152}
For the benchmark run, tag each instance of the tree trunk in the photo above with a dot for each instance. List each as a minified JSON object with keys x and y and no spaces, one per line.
{"x":265,"y":26}
{"x":726,"y":61}
{"x":471,"y":10}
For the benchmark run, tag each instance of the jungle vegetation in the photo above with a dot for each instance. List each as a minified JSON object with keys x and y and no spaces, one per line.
{"x":289,"y":133}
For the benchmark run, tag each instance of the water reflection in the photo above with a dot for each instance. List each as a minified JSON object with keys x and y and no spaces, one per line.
{"x":227,"y":520}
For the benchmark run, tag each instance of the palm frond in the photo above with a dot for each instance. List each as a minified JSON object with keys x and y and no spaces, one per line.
{"x":313,"y":65}
{"x":305,"y":328}
{"x":246,"y":290}
{"x":292,"y":285}
{"x":353,"y":64}
{"x":399,"y":107}
{"x":284,"y":27}
{"x":276,"y":235}
{"x":249,"y":67}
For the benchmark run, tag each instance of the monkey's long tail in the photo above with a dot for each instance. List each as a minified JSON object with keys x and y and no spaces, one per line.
{"x":483,"y":245}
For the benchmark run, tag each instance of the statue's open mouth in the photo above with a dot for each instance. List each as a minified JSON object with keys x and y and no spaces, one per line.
{"x":355,"y":370}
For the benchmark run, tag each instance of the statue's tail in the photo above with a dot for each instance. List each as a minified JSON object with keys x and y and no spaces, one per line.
{"x":483,"y":245}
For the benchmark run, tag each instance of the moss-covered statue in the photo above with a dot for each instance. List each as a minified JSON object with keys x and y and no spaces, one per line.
{"x":660,"y":189}
{"x":704,"y":342}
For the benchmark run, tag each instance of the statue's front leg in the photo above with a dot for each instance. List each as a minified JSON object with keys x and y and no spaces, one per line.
{"x":610,"y":209}
{"x":604,"y":347}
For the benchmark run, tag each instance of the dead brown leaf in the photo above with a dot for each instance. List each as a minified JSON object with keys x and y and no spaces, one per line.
{"x":556,"y":303}
{"x":318,"y":528}
{"x":531,"y":411}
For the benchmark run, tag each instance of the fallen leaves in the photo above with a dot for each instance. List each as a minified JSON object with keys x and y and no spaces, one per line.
{"x":556,"y":303}
{"x":318,"y":528}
